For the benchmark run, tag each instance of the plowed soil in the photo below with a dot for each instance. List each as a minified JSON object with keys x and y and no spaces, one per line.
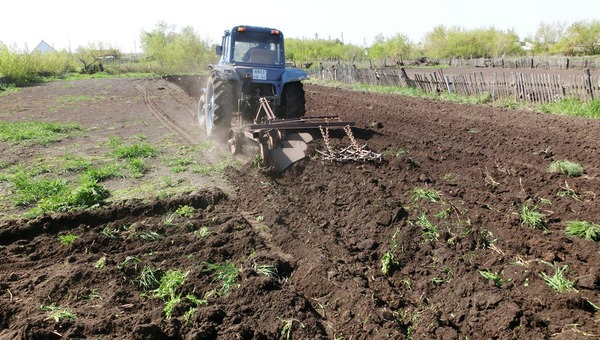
{"x":308,"y":243}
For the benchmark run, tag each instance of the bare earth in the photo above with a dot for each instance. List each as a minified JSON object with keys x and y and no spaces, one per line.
{"x":324,"y":226}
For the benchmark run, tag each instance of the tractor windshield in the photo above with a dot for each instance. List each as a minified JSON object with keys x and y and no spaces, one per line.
{"x":258,"y":48}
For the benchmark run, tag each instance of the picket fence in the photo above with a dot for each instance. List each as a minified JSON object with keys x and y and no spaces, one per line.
{"x":520,"y":86}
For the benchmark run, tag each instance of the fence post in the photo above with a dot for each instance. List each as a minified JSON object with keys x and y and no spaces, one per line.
{"x":405,"y":77}
{"x":588,"y":82}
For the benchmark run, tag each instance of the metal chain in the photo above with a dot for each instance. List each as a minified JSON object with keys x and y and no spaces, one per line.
{"x":325,"y":134}
{"x":354,"y":152}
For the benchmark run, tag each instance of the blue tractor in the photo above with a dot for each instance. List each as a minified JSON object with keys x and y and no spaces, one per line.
{"x":251,"y":66}
{"x":251,"y":94}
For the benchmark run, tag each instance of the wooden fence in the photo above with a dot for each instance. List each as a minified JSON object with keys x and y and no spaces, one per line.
{"x":520,"y":86}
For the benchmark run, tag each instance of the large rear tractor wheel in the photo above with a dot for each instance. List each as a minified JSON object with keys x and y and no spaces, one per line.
{"x":201,"y":115}
{"x":219,"y":106}
{"x":293,"y":100}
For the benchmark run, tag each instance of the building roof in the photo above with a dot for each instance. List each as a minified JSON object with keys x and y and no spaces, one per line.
{"x":43,"y":47}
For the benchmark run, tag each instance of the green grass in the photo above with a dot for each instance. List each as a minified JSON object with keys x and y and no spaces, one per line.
{"x":103,"y":172}
{"x":587,"y":230}
{"x":149,"y":278}
{"x":573,"y":107}
{"x":169,"y":283}
{"x":58,"y":314}
{"x":430,"y":231}
{"x":496,"y":277}
{"x":67,"y":239}
{"x":566,"y":167}
{"x":68,"y":99}
{"x":185,"y":211}
{"x":426,"y":194}
{"x":215,"y":168}
{"x":137,"y":167}
{"x":42,"y":133}
{"x":266,"y":270}
{"x":70,"y":163}
{"x":531,"y":217}
{"x":557,"y":281}
{"x":135,"y":150}
{"x":167,"y":290}
{"x":197,"y":302}
{"x":226,"y":273}
{"x":566,"y":106}
{"x":43,"y":193}
{"x":288,"y":326}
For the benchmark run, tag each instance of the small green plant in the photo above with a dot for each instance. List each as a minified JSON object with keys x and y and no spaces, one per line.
{"x":166,"y":291}
{"x":203,"y":232}
{"x":150,"y":278}
{"x":185,"y":211}
{"x":587,"y":230}
{"x":109,"y":233}
{"x":88,"y":194}
{"x":258,"y":163}
{"x":566,"y":167}
{"x":288,"y":325}
{"x":566,"y":191}
{"x":266,"y":270}
{"x":496,"y":277}
{"x":67,"y":239}
{"x":225,"y":272}
{"x":260,"y":218}
{"x":58,"y":313}
{"x":101,"y":263}
{"x":93,"y":294}
{"x":557,"y":281}
{"x":531,"y":217}
{"x":151,"y":236}
{"x":430,"y":231}
{"x":170,"y":220}
{"x":389,"y":262}
{"x":192,"y":311}
{"x":129,"y":261}
{"x":169,"y":283}
{"x":426,"y":194}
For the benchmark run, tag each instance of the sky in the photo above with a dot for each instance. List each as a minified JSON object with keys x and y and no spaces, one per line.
{"x":68,"y":24}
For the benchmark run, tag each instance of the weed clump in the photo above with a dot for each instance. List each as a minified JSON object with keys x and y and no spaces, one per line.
{"x":566,"y":167}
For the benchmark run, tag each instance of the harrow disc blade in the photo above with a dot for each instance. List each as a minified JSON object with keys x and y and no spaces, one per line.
{"x":281,"y":158}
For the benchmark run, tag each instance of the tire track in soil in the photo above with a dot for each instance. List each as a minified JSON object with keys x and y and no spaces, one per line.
{"x":164,"y":118}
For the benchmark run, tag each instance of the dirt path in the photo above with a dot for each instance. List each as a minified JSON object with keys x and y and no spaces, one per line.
{"x":308,"y":244}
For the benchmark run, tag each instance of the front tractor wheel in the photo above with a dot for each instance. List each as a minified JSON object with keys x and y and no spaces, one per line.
{"x":218,"y":107}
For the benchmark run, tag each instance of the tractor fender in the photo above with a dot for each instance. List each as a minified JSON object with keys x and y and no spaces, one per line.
{"x":292,"y":75}
{"x":224,"y":72}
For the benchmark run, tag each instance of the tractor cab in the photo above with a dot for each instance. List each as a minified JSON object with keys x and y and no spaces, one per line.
{"x":247,"y":45}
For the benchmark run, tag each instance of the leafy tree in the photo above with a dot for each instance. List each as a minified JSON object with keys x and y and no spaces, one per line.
{"x":458,"y":42}
{"x":582,"y":37}
{"x":547,"y":37}
{"x":397,"y":47}
{"x":176,"y":51}
{"x":310,"y":50}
